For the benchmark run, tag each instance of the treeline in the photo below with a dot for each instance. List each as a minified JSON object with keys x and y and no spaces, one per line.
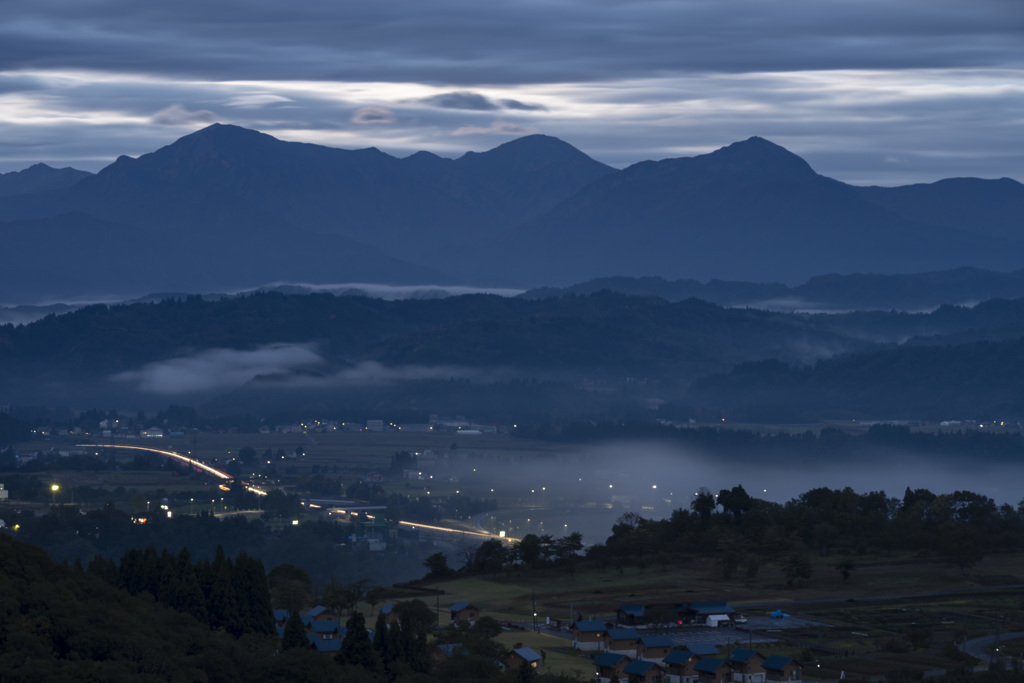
{"x":530,"y":552}
{"x":323,"y":549}
{"x":742,"y":531}
{"x":59,"y":622}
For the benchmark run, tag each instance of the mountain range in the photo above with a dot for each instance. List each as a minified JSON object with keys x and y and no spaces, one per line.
{"x":228,"y":208}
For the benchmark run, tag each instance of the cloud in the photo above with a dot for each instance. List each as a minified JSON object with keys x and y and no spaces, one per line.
{"x":522,"y":106}
{"x":373,"y":115}
{"x":177,"y":115}
{"x":460,"y":100}
{"x":496,"y":128}
{"x":219,"y":369}
{"x":256,"y":99}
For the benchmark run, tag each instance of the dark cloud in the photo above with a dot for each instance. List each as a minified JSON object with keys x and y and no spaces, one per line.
{"x":373,"y":115}
{"x":522,"y":106}
{"x":454,"y":42}
{"x":460,"y":100}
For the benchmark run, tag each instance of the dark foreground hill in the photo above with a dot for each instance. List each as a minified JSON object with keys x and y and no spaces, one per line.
{"x":227,"y":208}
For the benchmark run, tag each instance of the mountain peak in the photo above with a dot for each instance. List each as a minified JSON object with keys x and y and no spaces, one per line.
{"x":530,"y":151}
{"x":757,"y":155}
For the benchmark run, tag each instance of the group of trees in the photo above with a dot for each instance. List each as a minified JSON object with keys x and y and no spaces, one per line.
{"x":960,"y":528}
{"x":232,"y":595}
{"x":530,"y":552}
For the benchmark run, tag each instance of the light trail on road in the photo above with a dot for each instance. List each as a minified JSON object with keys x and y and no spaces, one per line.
{"x":457,"y":531}
{"x":177,"y":456}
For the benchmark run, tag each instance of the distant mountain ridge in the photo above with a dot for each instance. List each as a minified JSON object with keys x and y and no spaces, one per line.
{"x":228,"y":208}
{"x":920,"y":291}
{"x":39,"y":178}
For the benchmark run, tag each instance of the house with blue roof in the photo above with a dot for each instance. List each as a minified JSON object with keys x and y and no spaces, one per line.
{"x":779,"y":668}
{"x":680,"y":666}
{"x":621,"y":640}
{"x":609,"y":667}
{"x":644,"y":672}
{"x":465,"y":613}
{"x":702,"y":649}
{"x":588,"y":635}
{"x":523,"y":656}
{"x":653,"y":648}
{"x":319,"y":613}
{"x":746,"y":665}
{"x":713,"y":670}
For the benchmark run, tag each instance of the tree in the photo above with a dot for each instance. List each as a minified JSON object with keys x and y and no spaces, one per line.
{"x":294,"y":633}
{"x":356,"y":648}
{"x":290,"y":586}
{"x":247,"y":456}
{"x":253,"y":595}
{"x":567,"y":546}
{"x":374,"y":596}
{"x":797,"y":569}
{"x":735,"y":502}
{"x":489,"y":556}
{"x":529,"y":549}
{"x":437,"y":566}
{"x":703,"y":504}
{"x":845,"y":567}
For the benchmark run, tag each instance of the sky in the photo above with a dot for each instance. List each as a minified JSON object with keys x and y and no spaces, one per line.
{"x":868,"y":91}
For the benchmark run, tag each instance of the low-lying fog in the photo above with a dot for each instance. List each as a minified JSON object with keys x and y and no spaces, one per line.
{"x":587,"y":489}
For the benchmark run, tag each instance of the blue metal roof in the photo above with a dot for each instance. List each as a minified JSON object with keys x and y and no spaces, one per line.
{"x":590,"y":625}
{"x":638,"y":666}
{"x":326,"y":626}
{"x":623,"y":633}
{"x":741,"y":655}
{"x":635,"y":609}
{"x":281,"y":615}
{"x":702,"y":649}
{"x":528,"y":654}
{"x":679,"y":656}
{"x":776,"y":662}
{"x":709,"y":665}
{"x":460,"y":605}
{"x":609,"y":659}
{"x":656,"y":641}
{"x":712,"y":607}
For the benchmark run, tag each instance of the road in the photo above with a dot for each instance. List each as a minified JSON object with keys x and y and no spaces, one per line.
{"x":976,"y":646}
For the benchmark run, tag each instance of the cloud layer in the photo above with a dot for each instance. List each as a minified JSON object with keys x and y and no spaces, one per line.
{"x":866,"y":91}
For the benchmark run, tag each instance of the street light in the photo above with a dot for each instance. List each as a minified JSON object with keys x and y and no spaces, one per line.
{"x":53,"y":492}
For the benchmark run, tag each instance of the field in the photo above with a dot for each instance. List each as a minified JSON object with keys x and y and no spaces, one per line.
{"x":876,"y":622}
